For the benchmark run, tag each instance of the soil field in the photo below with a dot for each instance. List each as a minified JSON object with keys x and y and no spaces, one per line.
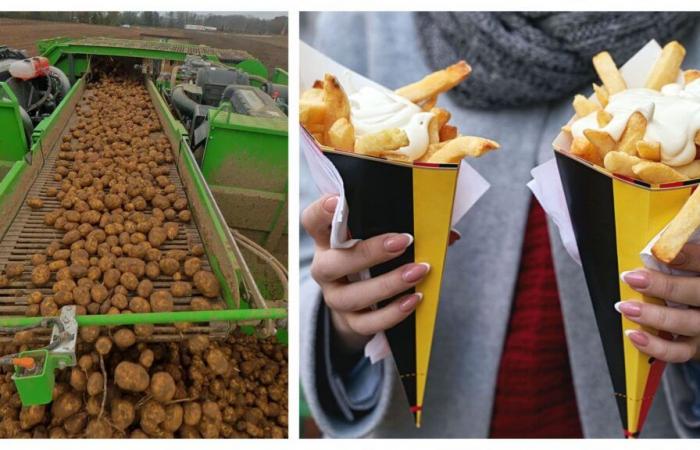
{"x":22,"y":34}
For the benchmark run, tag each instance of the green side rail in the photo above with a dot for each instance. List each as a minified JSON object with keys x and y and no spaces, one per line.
{"x":107,"y":320}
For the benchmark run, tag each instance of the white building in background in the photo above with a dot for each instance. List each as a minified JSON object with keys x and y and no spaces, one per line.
{"x":199,"y":28}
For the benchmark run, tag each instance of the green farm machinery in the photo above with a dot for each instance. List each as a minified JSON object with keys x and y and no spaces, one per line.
{"x":225,"y":119}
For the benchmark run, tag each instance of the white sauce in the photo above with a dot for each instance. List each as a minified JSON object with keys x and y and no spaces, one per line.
{"x":372,"y":110}
{"x":673,"y":119}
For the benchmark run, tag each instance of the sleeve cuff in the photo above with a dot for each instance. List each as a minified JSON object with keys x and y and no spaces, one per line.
{"x":355,"y":383}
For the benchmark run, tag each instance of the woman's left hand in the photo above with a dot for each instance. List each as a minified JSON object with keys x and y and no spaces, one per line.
{"x":682,"y":322}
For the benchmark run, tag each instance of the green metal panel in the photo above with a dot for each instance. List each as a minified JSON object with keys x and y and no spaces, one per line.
{"x":13,"y":141}
{"x":79,"y":66}
{"x":253,"y":67}
{"x":246,"y":152}
{"x":280,"y":76}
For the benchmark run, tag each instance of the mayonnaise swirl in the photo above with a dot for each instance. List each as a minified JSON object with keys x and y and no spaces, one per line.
{"x":673,"y":119}
{"x":372,"y":110}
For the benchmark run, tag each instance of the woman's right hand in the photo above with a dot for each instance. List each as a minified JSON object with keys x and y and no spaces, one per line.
{"x":350,"y":303}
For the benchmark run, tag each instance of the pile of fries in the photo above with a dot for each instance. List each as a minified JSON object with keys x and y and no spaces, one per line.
{"x":325,"y":112}
{"x":631,"y":155}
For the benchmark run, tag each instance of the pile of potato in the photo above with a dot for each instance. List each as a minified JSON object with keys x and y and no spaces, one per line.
{"x":117,"y":209}
{"x":200,"y":389}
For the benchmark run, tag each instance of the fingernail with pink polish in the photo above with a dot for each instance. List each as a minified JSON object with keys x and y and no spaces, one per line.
{"x":415,"y":272}
{"x":410,"y":302}
{"x":398,"y":242}
{"x":330,"y":204}
{"x":638,"y":279}
{"x":637,"y":337}
{"x":629,"y":309}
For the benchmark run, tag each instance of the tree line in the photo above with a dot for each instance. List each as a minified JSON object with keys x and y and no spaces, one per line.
{"x":235,"y":23}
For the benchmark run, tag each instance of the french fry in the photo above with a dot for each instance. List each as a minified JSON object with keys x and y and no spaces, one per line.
{"x":603,"y":117}
{"x":432,"y":149}
{"x":434,"y":131}
{"x":667,"y":67}
{"x":690,"y":75}
{"x":377,"y":144}
{"x":312,"y":110}
{"x":435,"y":83}
{"x":621,"y":163}
{"x":442,"y":115}
{"x":452,"y":152}
{"x":602,"y":140}
{"x":608,"y":73}
{"x":649,"y":150}
{"x":318,"y":84}
{"x":447,"y":132}
{"x":566,"y":128}
{"x":601,"y":94}
{"x":657,"y":173}
{"x":584,"y":106}
{"x":341,"y":135}
{"x":337,"y":102}
{"x":429,"y":103}
{"x":692,"y":170}
{"x":583,"y":148}
{"x":679,"y":230}
{"x":634,"y":132}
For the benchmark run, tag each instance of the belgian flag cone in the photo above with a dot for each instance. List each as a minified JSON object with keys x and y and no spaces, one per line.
{"x":614,"y":218}
{"x":385,"y":197}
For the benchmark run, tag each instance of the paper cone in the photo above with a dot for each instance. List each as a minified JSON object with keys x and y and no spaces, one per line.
{"x":613,"y":219}
{"x":386,"y":197}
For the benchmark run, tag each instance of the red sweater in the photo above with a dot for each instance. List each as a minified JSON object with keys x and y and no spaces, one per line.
{"x":535,"y":397}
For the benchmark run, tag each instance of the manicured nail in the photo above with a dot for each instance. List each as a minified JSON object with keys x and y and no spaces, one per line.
{"x":636,"y":278}
{"x":410,"y":302}
{"x":330,"y":204}
{"x":398,"y":242}
{"x":630,"y":309}
{"x":637,"y":337}
{"x":415,"y":272}
{"x":679,"y":259}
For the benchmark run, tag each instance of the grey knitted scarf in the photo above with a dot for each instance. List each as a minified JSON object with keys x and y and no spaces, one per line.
{"x":523,"y":58}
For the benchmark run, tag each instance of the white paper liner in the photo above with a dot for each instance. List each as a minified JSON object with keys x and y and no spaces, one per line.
{"x":470,"y":184}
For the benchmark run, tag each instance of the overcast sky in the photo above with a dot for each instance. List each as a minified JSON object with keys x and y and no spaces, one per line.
{"x":260,"y":14}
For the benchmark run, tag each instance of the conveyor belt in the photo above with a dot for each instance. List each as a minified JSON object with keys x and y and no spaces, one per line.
{"x":28,"y":235}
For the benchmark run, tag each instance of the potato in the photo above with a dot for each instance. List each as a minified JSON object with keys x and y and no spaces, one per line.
{"x":14,"y":270}
{"x":185,"y":215}
{"x":173,"y":418}
{"x":98,"y":293}
{"x":129,"y":281}
{"x":192,"y":413}
{"x":161,"y":301}
{"x":145,"y":288}
{"x":31,"y":416}
{"x":198,"y":343}
{"x":192,"y":266}
{"x":95,"y":384}
{"x":124,"y":338}
{"x":198,"y":250}
{"x":41,"y":275}
{"x":157,"y":236}
{"x":78,"y":379}
{"x":66,"y":405}
{"x":206,"y":283}
{"x":217,"y":361}
{"x":122,"y":413}
{"x":35,"y":298}
{"x":146,"y":358}
{"x":171,"y":229}
{"x":48,"y":307}
{"x":103,"y":345}
{"x":131,"y":377}
{"x":75,"y":424}
{"x":200,"y":304}
{"x":120,"y":301}
{"x":35,"y":203}
{"x":98,"y":429}
{"x":71,"y":237}
{"x":169,"y":266}
{"x":38,"y":259}
{"x":131,"y":265}
{"x":162,"y":387}
{"x":143,"y":330}
{"x":181,"y":289}
{"x":139,"y":305}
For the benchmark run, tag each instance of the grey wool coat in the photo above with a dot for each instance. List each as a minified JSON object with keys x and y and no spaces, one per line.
{"x":481,"y":269}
